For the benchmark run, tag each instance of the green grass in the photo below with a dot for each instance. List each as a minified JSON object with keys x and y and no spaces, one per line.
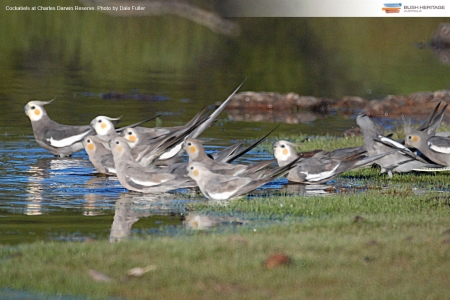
{"x":403,"y":254}
{"x":399,"y":249}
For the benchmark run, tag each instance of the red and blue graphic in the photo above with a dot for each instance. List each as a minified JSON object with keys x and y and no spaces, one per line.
{"x":390,"y":8}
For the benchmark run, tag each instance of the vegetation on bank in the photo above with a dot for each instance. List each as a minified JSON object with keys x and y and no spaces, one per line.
{"x":346,"y":246}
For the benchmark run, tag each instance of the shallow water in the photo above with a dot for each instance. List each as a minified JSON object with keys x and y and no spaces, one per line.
{"x":64,"y":199}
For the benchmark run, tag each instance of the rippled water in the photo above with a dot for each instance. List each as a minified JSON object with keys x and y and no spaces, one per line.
{"x":64,"y":199}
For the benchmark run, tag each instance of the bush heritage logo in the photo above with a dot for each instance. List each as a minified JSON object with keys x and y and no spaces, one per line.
{"x":419,"y":8}
{"x":390,"y":8}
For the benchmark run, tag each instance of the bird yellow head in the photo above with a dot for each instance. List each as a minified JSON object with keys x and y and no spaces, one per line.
{"x":35,"y":109}
{"x":191,"y":147}
{"x":131,"y":135}
{"x":195,"y":170}
{"x":103,"y":125}
{"x":89,"y":144}
{"x":118,"y":145}
{"x":282,"y":150}
{"x":412,"y":140}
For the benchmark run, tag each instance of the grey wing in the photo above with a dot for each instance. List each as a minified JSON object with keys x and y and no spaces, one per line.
{"x":141,"y":177}
{"x":445,"y":134}
{"x":313,"y":170}
{"x":65,"y":135}
{"x":226,"y":153}
{"x":439,"y":144}
{"x":107,"y":161}
{"x":219,"y":166}
{"x":212,"y":117}
{"x":149,"y":135}
{"x":345,"y":152}
{"x":225,"y":186}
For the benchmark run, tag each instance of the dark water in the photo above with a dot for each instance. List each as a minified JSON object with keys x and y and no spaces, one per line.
{"x":95,"y":64}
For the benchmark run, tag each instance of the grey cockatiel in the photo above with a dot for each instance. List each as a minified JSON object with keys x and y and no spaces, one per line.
{"x":138,"y":137}
{"x":142,"y":179}
{"x":401,"y":161}
{"x":196,"y":153}
{"x":435,"y":148}
{"x":100,"y":157}
{"x":223,"y":157}
{"x":223,"y":187}
{"x":105,"y":129}
{"x":322,"y":166}
{"x":431,"y":147}
{"x":61,"y":140}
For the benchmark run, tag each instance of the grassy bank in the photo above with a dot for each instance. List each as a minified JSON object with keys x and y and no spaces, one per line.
{"x":377,"y":245}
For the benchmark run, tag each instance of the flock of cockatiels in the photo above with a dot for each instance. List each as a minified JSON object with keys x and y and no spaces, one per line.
{"x":148,"y":160}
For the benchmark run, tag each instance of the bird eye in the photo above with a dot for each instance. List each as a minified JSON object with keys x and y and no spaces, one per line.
{"x":100,"y":121}
{"x":409,"y":137}
{"x":189,"y":144}
{"x":192,"y":168}
{"x":117,"y":143}
{"x":130,"y":133}
{"x":88,"y":141}
{"x":282,"y":146}
{"x":33,"y":107}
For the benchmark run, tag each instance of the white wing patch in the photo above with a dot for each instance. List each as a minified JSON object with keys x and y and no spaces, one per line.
{"x":111,"y":170}
{"x":393,"y":143}
{"x":172,"y":152}
{"x":221,"y":196}
{"x":67,"y":141}
{"x":148,"y":183}
{"x":432,"y":169}
{"x":320,"y":176}
{"x":445,"y":150}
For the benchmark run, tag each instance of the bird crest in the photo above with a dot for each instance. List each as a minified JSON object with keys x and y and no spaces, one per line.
{"x":35,"y":109}
{"x":103,"y":124}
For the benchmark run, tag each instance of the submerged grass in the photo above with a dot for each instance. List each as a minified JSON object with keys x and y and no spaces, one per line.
{"x":391,"y":241}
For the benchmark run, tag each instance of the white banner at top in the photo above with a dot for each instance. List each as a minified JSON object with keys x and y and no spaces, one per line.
{"x":335,"y":8}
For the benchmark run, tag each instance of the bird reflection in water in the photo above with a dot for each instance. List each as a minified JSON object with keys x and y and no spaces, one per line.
{"x":48,"y":180}
{"x":130,"y":207}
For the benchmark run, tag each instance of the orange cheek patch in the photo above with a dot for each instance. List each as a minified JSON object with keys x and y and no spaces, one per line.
{"x":195,"y":172}
{"x":120,"y":148}
{"x":132,"y":138}
{"x":37,"y":112}
{"x":103,"y":126}
{"x":91,"y":147}
{"x":285,"y":151}
{"x":193,"y":149}
{"x":415,"y":138}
